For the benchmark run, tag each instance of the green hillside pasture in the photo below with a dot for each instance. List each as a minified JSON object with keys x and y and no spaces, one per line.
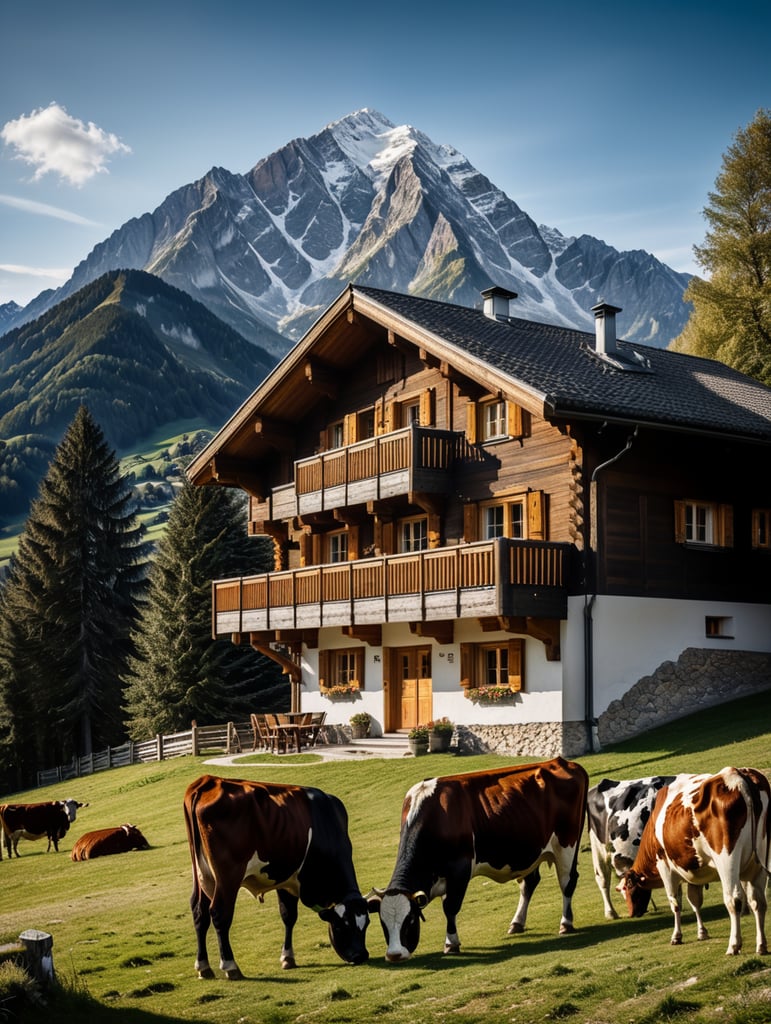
{"x":124,"y":942}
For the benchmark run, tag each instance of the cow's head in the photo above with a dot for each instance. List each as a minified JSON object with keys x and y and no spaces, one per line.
{"x":71,"y":807}
{"x":635,"y":890}
{"x":348,"y":923}
{"x":400,"y":916}
{"x":136,"y":840}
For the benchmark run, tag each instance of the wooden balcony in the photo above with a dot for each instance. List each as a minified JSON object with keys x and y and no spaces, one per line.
{"x":411,"y":459}
{"x":492,"y":578}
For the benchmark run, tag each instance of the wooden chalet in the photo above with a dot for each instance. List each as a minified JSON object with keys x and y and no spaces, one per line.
{"x":509,"y":523}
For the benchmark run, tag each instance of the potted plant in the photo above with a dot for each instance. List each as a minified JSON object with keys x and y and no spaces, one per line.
{"x":359,"y":725}
{"x":439,"y":735}
{"x":417,"y":738}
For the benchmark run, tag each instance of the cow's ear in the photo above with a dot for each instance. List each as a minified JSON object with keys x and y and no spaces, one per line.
{"x":420,"y":898}
{"x":374,"y":898}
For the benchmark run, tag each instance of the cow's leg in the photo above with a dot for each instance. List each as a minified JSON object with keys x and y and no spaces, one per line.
{"x":602,"y":874}
{"x":733,"y":898}
{"x":527,"y":887}
{"x":287,"y":908}
{"x":451,"y":904}
{"x":695,"y":895}
{"x":566,"y":866}
{"x":222,"y":908}
{"x":200,"y":907}
{"x":674,"y":890}
{"x":756,"y":897}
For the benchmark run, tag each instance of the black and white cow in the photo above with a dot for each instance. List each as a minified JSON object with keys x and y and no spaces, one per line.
{"x":616,"y":816}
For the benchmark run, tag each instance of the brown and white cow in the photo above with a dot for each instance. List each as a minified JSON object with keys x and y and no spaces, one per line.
{"x":105,"y":841}
{"x":265,"y":836}
{"x":616,"y":815}
{"x":704,"y":828}
{"x":51,"y":819}
{"x":501,"y":824}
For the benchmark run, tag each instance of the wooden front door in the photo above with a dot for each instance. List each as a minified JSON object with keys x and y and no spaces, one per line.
{"x":411,"y":684}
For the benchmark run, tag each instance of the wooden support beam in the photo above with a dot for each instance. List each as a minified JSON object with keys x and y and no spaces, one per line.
{"x":434,"y":504}
{"x":275,"y":433}
{"x":288,"y":666}
{"x":236,"y":473}
{"x":545,"y":630}
{"x":370,"y":634}
{"x":441,"y":630}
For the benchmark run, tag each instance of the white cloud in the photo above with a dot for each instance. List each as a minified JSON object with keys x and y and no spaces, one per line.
{"x":44,"y":210}
{"x":51,"y":273}
{"x":53,"y":142}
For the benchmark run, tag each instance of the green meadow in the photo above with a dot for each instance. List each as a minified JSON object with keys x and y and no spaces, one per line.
{"x":124,"y":945}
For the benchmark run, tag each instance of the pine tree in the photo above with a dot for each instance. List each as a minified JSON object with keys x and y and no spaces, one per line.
{"x":68,"y":605}
{"x":731,"y":319}
{"x":179,"y":673}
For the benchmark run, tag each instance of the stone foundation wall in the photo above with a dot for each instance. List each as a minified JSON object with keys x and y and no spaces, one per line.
{"x":540,"y":740}
{"x":699,"y":679}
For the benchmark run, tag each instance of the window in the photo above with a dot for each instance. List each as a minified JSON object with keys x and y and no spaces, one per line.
{"x":703,"y":523}
{"x":410,"y":413}
{"x":493,"y":420}
{"x":493,"y":664}
{"x":719,"y":626}
{"x":413,"y":534}
{"x":336,"y":435}
{"x":761,"y":528}
{"x":504,"y":520}
{"x":338,"y":546}
{"x":343,"y":667}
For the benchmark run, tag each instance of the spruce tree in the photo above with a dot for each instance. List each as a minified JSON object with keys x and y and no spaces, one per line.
{"x":179,"y":673}
{"x":731,"y":319}
{"x":68,"y":605}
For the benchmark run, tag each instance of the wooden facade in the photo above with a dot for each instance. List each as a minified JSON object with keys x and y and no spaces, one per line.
{"x":425,"y":501}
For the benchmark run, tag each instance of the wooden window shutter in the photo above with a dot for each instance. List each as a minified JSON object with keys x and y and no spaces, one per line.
{"x":350,"y":428}
{"x":725,"y":526}
{"x":306,"y":549}
{"x":536,"y":519}
{"x":353,"y":543}
{"x":470,"y":523}
{"x":324,"y":441}
{"x":380,"y":426}
{"x":427,"y":406}
{"x":467,"y":674}
{"x":359,"y":667}
{"x":679,"y":522}
{"x":516,"y":664}
{"x":434,"y":530}
{"x":325,"y":663}
{"x":389,"y":417}
{"x":388,"y":538}
{"x":471,"y":422}
{"x":316,"y":548}
{"x":515,"y":420}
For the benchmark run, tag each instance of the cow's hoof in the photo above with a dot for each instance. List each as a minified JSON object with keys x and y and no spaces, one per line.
{"x":611,"y":915}
{"x":288,"y":963}
{"x":515,"y":929}
{"x":234,"y":974}
{"x":567,"y":929}
{"x":733,"y":951}
{"x":763,"y":950}
{"x":206,"y":973}
{"x":451,"y":949}
{"x":703,"y":935}
{"x":675,"y":942}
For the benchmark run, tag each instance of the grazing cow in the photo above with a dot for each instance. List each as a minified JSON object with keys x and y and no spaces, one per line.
{"x":502,"y":824}
{"x":616,"y":814}
{"x":33,"y":821}
{"x":265,"y":836}
{"x":106,"y":841}
{"x":704,"y":828}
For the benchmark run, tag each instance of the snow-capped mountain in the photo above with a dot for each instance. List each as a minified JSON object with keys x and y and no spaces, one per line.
{"x":368,"y":201}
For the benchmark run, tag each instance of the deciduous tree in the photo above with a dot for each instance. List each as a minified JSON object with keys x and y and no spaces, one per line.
{"x":731,"y":319}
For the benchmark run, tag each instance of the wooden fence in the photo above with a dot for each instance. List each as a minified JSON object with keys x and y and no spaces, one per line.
{"x":231,"y":738}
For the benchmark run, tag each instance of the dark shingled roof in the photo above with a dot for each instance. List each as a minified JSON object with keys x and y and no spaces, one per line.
{"x":666,"y":388}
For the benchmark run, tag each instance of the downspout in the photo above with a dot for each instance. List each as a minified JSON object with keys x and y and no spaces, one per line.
{"x":591,"y":554}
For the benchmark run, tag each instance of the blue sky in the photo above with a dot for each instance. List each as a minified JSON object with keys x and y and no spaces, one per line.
{"x":609,"y":119}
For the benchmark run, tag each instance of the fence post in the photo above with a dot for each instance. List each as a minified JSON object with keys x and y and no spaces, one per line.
{"x":38,"y":957}
{"x":194,"y":735}
{"x":158,"y":747}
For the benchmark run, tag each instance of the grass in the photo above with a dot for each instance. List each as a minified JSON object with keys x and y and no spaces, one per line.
{"x":124,"y":943}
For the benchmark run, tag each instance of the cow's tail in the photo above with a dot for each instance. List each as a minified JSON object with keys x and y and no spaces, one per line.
{"x":193,"y":836}
{"x":757,"y":789}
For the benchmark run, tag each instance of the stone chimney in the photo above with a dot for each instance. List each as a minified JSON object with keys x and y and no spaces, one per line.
{"x":605,"y":327}
{"x":497,"y":301}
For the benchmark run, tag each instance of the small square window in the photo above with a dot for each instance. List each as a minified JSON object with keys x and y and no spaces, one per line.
{"x":761,"y":528}
{"x":338,"y":547}
{"x":698,"y":523}
{"x":493,"y":420}
{"x":414,"y":534}
{"x":719,"y":626}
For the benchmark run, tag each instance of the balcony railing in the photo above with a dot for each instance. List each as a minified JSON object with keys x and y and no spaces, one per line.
{"x":411,"y":459}
{"x":499,"y":577}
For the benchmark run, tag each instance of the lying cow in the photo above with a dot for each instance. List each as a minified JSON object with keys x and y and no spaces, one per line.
{"x":51,"y":819}
{"x":502,"y":824}
{"x":265,"y":836}
{"x":704,"y":828}
{"x":105,"y":841}
{"x":616,"y":814}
